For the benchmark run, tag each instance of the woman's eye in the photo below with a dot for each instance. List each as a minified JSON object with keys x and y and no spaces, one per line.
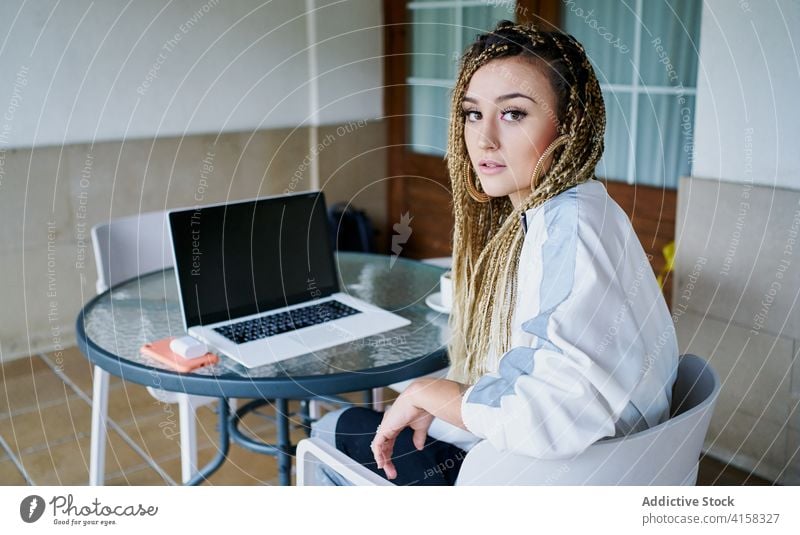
{"x":470,"y":115}
{"x":514,"y":115}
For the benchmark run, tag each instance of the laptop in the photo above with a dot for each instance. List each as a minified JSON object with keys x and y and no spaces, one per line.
{"x":258,"y":282}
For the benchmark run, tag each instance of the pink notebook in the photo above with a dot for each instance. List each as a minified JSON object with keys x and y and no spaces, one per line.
{"x":160,"y":351}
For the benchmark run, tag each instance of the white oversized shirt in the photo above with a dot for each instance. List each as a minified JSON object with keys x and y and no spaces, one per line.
{"x":593,"y":348}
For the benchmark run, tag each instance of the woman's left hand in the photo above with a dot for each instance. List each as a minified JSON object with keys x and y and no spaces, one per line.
{"x":403,"y":413}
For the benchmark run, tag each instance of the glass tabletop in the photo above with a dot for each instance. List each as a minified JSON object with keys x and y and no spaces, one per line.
{"x":118,"y":322}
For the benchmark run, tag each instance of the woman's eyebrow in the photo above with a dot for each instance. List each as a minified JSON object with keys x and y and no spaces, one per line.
{"x":502,"y":97}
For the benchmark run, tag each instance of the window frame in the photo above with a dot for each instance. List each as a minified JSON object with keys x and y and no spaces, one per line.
{"x":636,"y":89}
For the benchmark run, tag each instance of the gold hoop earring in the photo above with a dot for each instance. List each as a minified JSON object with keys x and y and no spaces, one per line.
{"x":547,"y":152}
{"x":478,"y":196}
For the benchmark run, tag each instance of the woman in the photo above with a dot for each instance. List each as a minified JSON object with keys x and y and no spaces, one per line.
{"x":561,"y":336}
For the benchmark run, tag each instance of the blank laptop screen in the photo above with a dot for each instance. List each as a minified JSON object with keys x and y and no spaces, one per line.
{"x":254,"y":256}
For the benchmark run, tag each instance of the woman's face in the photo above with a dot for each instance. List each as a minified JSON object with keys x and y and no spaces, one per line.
{"x":509,"y":119}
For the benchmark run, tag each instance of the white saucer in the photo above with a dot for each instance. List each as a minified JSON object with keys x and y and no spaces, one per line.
{"x":435,"y":302}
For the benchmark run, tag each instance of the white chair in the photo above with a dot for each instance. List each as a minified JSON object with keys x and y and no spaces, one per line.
{"x":667,"y":454}
{"x":124,"y":248}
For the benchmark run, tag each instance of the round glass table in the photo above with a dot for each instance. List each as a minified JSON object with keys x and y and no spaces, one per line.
{"x":114,"y":325}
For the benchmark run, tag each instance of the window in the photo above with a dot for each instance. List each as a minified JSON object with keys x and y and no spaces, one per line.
{"x":645,"y":57}
{"x":440,"y":31}
{"x":644,"y":54}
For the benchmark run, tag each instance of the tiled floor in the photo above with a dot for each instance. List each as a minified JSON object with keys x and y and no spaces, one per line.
{"x":45,"y":414}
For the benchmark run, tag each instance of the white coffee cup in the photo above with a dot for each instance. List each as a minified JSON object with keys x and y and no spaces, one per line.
{"x":446,"y":289}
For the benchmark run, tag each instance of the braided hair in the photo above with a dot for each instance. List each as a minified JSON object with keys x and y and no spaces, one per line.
{"x":487,"y":238}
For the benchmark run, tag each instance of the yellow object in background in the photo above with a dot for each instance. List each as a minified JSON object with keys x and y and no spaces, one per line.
{"x":669,"y":256}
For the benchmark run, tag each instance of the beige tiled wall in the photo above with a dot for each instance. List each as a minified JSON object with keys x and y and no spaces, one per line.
{"x":51,"y":197}
{"x":735,"y":303}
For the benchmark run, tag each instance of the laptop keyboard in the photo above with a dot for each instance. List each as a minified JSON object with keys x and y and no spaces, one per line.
{"x":266,"y":326}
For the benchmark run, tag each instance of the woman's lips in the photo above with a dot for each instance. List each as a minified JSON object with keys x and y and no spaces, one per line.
{"x":491,"y":169}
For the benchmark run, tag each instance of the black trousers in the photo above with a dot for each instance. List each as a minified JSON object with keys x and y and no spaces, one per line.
{"x":437,"y":463}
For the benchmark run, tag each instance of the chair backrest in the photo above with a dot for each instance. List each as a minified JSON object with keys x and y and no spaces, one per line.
{"x":667,"y":454}
{"x":351,"y":228}
{"x":130,"y":246}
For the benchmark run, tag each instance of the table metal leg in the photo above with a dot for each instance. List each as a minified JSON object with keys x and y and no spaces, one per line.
{"x":284,"y":445}
{"x":305,"y":416}
{"x":283,"y":450}
{"x":224,"y":446}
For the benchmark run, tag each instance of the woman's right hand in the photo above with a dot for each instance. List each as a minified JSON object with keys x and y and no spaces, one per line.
{"x":403,"y":413}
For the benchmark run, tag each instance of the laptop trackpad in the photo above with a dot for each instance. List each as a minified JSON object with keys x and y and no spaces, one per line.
{"x":326,"y":335}
{"x":269,"y":350}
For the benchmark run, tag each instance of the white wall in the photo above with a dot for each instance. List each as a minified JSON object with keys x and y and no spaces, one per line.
{"x":83,"y":71}
{"x":736,"y":278}
{"x":748,"y":96}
